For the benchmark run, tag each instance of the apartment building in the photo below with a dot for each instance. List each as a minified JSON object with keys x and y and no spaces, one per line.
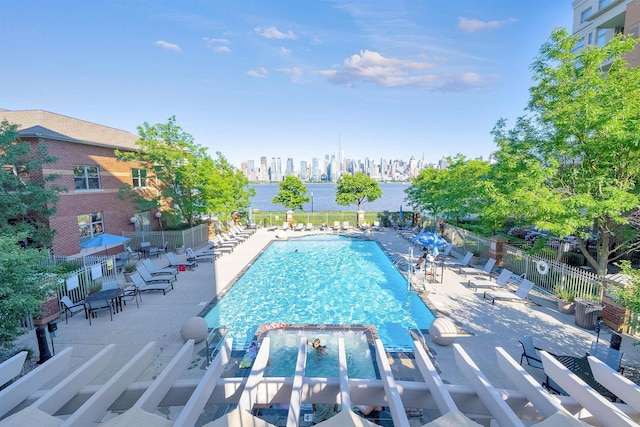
{"x":91,"y":173}
{"x":597,"y":21}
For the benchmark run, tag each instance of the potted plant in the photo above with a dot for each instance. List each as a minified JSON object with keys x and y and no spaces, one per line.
{"x":128,"y":269}
{"x":566,"y":300}
{"x":179,"y":247}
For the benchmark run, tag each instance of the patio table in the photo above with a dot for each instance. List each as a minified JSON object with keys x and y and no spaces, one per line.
{"x":112,"y":295}
{"x":580,"y":366}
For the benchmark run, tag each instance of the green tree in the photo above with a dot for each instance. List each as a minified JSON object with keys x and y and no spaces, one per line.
{"x":28,"y":197}
{"x":182,"y":168}
{"x":357,"y":188}
{"x":574,"y":162}
{"x":229,"y":189}
{"x":453,"y":192}
{"x":291,"y":193}
{"x":24,"y":284}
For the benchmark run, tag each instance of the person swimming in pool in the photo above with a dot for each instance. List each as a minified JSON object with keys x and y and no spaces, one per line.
{"x":317,"y":346}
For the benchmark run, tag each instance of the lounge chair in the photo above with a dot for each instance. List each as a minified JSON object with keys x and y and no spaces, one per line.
{"x":133,"y":253}
{"x":309,"y":227}
{"x":299,"y":227}
{"x":217,"y":248}
{"x":530,"y":352}
{"x":345,"y":225}
{"x":501,"y":281}
{"x":486,"y":270}
{"x":446,"y":252}
{"x":142,"y":286}
{"x":147,"y":277}
{"x":462,"y":263}
{"x":285,"y":226}
{"x":376,"y":225}
{"x":173,"y":261}
{"x":336,"y":225}
{"x":237,"y":236}
{"x":71,"y":308}
{"x":192,"y":256}
{"x":519,"y":295}
{"x":158,"y":271}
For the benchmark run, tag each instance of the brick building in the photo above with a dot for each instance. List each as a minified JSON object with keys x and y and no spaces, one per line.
{"x":91,"y":173}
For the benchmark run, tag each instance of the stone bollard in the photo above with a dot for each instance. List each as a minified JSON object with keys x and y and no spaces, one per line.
{"x":443,"y":331}
{"x":194,"y":328}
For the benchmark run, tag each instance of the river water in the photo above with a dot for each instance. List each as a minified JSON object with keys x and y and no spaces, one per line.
{"x":324,"y":199}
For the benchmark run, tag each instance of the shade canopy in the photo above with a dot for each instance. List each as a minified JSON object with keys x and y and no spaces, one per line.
{"x":103,"y":240}
{"x":430,"y":240}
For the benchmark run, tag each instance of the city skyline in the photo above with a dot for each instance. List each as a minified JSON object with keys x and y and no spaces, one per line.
{"x":391,"y":78}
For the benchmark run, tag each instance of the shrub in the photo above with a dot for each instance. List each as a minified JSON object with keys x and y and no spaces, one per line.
{"x":129,"y":267}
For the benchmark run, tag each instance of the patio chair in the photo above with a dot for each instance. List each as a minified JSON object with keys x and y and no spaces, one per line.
{"x":148,"y":278}
{"x":285,"y":226}
{"x":530,"y":352}
{"x":142,"y":286}
{"x":345,"y":225}
{"x":130,"y":293}
{"x":133,"y":253}
{"x":158,"y":271}
{"x":121,"y":260}
{"x":233,"y":235}
{"x":110,"y":284}
{"x":376,"y":225}
{"x":93,"y":307}
{"x":486,"y":270}
{"x":163,"y":249}
{"x":71,"y":308}
{"x":519,"y":295}
{"x":336,"y":225}
{"x":173,"y":261}
{"x":501,"y":281}
{"x":309,"y":227}
{"x":299,"y":227}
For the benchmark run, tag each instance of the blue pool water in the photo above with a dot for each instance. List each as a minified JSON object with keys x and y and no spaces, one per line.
{"x":284,"y":352}
{"x":329,"y":280}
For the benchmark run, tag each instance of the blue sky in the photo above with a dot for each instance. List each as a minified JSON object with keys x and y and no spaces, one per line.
{"x":283,"y":78}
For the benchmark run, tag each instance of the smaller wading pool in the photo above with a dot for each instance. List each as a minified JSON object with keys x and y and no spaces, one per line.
{"x":284,"y":352}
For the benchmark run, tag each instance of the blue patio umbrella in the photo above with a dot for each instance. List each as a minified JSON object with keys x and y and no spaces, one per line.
{"x":103,"y":239}
{"x":430,"y":240}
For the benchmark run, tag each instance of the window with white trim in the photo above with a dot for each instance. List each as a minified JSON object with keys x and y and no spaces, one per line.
{"x":140,"y":178}
{"x":601,"y":37}
{"x":585,"y":14}
{"x":90,"y":225}
{"x":86,"y":177}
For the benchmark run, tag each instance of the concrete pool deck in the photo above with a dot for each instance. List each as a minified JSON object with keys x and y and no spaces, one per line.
{"x":487,"y":326}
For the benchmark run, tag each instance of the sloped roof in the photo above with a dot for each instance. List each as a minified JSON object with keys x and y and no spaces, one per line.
{"x":43,"y":124}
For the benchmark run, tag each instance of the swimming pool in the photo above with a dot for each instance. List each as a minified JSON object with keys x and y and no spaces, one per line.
{"x":328,"y":280}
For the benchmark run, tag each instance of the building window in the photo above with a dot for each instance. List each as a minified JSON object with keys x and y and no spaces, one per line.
{"x":139,"y":178}
{"x":86,"y":177}
{"x":590,"y":38}
{"x":585,"y":15}
{"x":604,"y":3}
{"x":90,"y":225}
{"x":602,"y":35}
{"x":579,"y":45}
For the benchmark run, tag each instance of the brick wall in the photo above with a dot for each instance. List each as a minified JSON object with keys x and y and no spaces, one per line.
{"x":113,"y":174}
{"x":614,"y":316}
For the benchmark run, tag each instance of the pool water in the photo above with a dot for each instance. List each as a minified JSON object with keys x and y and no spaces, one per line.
{"x":284,"y":353}
{"x":328,"y":280}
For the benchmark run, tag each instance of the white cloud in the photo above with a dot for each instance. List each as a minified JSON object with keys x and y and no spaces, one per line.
{"x":295,"y":73}
{"x":284,"y":51}
{"x":218,"y":45}
{"x":372,"y":67}
{"x":473,"y":25}
{"x":259,"y":72}
{"x":166,"y":45}
{"x":274,"y":33}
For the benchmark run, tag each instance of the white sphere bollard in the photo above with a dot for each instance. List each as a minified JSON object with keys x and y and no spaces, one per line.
{"x":281,"y":234}
{"x":194,"y":328}
{"x":443,"y":331}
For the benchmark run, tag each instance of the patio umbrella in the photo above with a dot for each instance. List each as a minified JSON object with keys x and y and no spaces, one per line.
{"x":430,"y":240}
{"x":103,"y":239}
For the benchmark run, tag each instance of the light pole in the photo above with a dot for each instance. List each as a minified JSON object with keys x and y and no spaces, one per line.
{"x":312,"y":202}
{"x":159,"y":216}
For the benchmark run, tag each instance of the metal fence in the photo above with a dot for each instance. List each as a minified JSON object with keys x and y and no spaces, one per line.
{"x":548,"y":274}
{"x":191,"y":237}
{"x":465,"y":241}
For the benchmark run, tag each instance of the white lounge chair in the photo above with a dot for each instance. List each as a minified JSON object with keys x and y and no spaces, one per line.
{"x":501,"y":281}
{"x":285,"y":226}
{"x":486,"y":270}
{"x":299,"y":227}
{"x":519,"y":295}
{"x":192,"y":256}
{"x":462,"y":263}
{"x":345,"y":225}
{"x":309,"y":227}
{"x":336,"y":225}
